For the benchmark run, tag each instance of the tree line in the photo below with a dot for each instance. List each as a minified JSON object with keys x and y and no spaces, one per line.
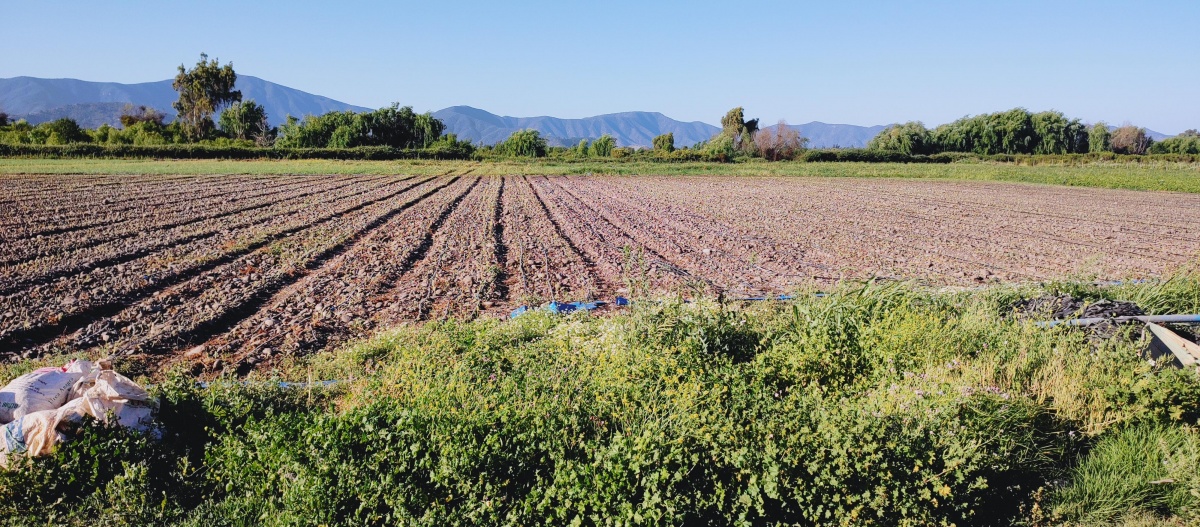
{"x":1019,"y":131}
{"x":738,"y":139}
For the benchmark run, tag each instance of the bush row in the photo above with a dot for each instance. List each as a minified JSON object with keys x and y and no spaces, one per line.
{"x":383,"y":153}
{"x":196,"y":151}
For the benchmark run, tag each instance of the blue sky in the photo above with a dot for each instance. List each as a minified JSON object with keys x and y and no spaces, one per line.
{"x":842,"y":62}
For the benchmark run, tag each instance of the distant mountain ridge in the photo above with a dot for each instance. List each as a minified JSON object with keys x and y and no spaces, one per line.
{"x":824,"y":135}
{"x":628,"y":128}
{"x":94,"y":103}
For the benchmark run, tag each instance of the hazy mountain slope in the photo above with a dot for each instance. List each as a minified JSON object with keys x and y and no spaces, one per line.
{"x":30,"y":95}
{"x":822,"y":135}
{"x":88,"y":115}
{"x":49,"y":99}
{"x":628,"y":128}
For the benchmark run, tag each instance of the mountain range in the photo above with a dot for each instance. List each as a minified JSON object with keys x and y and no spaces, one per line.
{"x":94,"y":103}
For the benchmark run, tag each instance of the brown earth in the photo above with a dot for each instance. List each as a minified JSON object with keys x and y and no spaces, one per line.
{"x":233,"y":273}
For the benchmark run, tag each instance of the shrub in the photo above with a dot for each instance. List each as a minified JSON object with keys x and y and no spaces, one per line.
{"x":444,"y":148}
{"x":523,"y":143}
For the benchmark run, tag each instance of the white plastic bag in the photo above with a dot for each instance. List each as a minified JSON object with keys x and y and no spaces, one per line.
{"x":33,"y":434}
{"x":41,"y":389}
{"x":88,"y":371}
{"x":112,"y":399}
{"x":105,"y":395}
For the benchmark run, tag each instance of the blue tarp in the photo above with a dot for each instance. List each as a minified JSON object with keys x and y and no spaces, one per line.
{"x":620,"y":301}
{"x":564,"y":307}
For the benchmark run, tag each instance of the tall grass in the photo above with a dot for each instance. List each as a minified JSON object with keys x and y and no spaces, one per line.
{"x":1146,"y":468}
{"x":879,"y":404}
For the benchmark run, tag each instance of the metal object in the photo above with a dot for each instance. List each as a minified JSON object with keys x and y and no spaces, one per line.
{"x":1186,"y":351}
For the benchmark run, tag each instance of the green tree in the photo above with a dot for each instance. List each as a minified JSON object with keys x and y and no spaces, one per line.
{"x":426,"y":129}
{"x":720,"y":148}
{"x":911,"y":138}
{"x":581,"y":149}
{"x":523,"y":143}
{"x":64,"y":131}
{"x":3,"y":119}
{"x":203,"y":91}
{"x":1184,"y":143}
{"x":394,"y":126}
{"x":665,"y":142}
{"x":733,"y":122}
{"x":602,"y":147}
{"x":740,"y":131}
{"x":1053,"y":133}
{"x":244,"y":120}
{"x":1099,"y":138}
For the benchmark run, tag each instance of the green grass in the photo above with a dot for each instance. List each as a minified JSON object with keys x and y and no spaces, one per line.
{"x":1145,"y":468}
{"x":886,"y":404}
{"x":1133,"y":176}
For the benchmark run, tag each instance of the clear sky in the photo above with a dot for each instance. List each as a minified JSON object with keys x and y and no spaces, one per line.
{"x":834,"y":61}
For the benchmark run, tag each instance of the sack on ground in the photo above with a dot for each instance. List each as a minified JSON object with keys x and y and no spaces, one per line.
{"x":112,"y":399}
{"x":88,"y":371}
{"x":32,"y":435}
{"x":41,"y":389}
{"x":104,"y":395}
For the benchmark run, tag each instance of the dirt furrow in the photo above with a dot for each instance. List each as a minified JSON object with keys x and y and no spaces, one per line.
{"x":42,"y":314}
{"x":173,"y":209}
{"x":728,"y":251}
{"x":58,"y":207}
{"x":625,"y":257}
{"x":445,"y":266}
{"x":861,"y":243}
{"x":215,"y":301}
{"x":18,"y":253}
{"x":336,"y":302}
{"x":43,"y":271}
{"x":543,"y":263}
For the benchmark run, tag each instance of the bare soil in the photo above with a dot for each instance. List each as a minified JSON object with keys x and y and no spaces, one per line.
{"x":235,"y":273}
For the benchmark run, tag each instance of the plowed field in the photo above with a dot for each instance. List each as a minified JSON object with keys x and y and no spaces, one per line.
{"x":235,"y":272}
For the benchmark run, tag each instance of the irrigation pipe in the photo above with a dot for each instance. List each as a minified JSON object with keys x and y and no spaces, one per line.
{"x":1157,"y":319}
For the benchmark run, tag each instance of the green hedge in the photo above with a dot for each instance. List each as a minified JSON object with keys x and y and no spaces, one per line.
{"x":194,"y":151}
{"x":885,"y":156}
{"x":382,"y":153}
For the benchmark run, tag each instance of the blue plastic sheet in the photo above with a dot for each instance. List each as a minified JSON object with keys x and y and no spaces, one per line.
{"x":560,"y":308}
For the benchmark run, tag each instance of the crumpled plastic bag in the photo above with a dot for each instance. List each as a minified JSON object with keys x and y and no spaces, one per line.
{"x":103,"y":394}
{"x":41,"y":389}
{"x":32,"y":434}
{"x":111,"y":398}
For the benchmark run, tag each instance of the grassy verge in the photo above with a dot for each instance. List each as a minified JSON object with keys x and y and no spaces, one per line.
{"x":875,"y":405}
{"x":1159,"y":176}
